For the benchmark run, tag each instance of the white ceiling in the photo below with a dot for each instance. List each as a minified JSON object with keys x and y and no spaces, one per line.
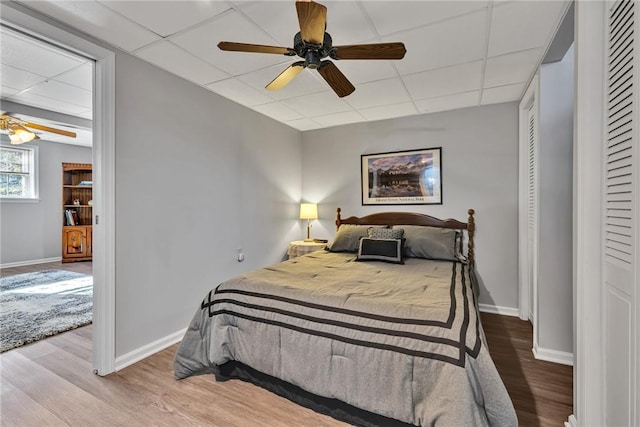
{"x":459,"y":53}
{"x":39,"y":75}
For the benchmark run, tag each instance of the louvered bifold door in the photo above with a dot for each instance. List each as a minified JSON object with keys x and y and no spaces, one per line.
{"x":620,"y":193}
{"x":531,"y":209}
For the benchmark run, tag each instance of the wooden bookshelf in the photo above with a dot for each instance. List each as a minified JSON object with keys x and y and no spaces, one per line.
{"x":77,"y":212}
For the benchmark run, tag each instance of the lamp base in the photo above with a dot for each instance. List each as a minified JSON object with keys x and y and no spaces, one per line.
{"x":308,"y":240}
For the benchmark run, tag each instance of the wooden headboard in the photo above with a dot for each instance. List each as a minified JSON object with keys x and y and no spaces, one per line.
{"x":412,"y":218}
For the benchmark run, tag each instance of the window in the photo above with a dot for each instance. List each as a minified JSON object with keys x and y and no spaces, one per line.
{"x":18,"y":173}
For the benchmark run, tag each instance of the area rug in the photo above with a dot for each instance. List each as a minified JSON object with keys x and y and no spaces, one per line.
{"x":36,"y":305}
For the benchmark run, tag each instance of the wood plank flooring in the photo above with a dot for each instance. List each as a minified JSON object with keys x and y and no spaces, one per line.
{"x":50,"y":383}
{"x":542,"y":392}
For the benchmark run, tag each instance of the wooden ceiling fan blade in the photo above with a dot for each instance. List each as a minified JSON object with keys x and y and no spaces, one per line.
{"x":369,"y":51}
{"x":312,"y":18}
{"x":338,"y":82}
{"x":49,"y":129}
{"x":257,"y":48}
{"x":285,"y":77}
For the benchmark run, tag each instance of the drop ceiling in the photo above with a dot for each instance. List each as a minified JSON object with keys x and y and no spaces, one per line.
{"x":37,"y":79}
{"x":459,"y":53}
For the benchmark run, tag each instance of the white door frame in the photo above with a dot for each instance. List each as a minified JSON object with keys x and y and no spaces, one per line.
{"x":30,"y":22}
{"x":588,"y":210}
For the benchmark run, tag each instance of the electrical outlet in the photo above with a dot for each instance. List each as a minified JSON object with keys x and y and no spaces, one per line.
{"x":240,"y":255}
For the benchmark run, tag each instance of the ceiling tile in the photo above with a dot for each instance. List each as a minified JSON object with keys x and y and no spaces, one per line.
{"x":27,"y":54}
{"x":230,"y":26}
{"x":455,"y":41}
{"x":506,"y":93}
{"x":81,"y":76}
{"x":304,"y":124}
{"x":58,"y":90}
{"x":339,"y":119}
{"x":19,"y":79}
{"x":389,"y":111}
{"x":278,"y":111}
{"x":511,"y":68}
{"x":366,"y":71}
{"x":305,"y":83}
{"x":317,"y":104}
{"x":176,"y":60}
{"x":444,"y":81}
{"x":168,"y":17}
{"x":88,"y":114}
{"x":347,"y":24}
{"x":239,"y":92}
{"x":450,"y":102}
{"x":99,"y":21}
{"x":277,"y":18}
{"x":391,"y":17}
{"x":6,"y":91}
{"x":382,"y":92}
{"x":521,"y":25}
{"x":46,"y":103}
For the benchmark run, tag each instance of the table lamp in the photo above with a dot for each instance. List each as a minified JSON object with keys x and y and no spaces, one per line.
{"x":308,"y":211}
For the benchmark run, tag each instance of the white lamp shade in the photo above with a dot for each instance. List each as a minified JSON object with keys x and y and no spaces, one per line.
{"x":308,"y":211}
{"x":19,"y":135}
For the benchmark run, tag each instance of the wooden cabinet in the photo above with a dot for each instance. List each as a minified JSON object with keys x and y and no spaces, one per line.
{"x":76,"y":243}
{"x":77,"y":212}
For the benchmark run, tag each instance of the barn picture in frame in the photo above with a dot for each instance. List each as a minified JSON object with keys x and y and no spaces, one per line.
{"x":402,"y":177}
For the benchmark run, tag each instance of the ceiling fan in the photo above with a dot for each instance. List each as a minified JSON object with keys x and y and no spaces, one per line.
{"x":19,"y":130}
{"x":313,"y":44}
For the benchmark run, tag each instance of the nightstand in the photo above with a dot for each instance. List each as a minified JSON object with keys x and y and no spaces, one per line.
{"x":300,"y":247}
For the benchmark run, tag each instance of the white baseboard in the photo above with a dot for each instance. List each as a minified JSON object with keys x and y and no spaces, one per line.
{"x":148,"y":349}
{"x":553,"y":355}
{"x":571,"y":422}
{"x":496,"y":309}
{"x":31,"y":262}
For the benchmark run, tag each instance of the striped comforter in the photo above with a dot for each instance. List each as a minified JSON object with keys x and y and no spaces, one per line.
{"x":402,"y":341}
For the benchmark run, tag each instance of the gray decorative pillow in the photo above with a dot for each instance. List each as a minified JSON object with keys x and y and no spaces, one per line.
{"x":387,"y":250}
{"x":431,"y":242}
{"x":348,"y":238}
{"x":385,"y":233}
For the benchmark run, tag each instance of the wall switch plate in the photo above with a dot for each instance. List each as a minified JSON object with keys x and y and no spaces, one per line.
{"x":240,"y":255}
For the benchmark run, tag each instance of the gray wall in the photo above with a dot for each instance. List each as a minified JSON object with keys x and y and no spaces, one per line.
{"x":41,"y":239}
{"x":555,"y":310}
{"x":197,"y":178}
{"x":480,"y":171}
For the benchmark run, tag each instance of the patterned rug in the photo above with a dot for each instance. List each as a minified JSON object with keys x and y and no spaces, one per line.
{"x":36,"y":305}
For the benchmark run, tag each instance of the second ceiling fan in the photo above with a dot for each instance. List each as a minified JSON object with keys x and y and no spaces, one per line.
{"x":313,"y":44}
{"x":19,"y":131}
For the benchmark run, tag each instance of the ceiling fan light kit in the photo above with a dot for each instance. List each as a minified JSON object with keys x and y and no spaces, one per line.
{"x":313,"y":45}
{"x":19,"y":135}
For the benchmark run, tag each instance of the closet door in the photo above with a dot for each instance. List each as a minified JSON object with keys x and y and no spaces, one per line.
{"x":532,"y":255}
{"x":528,"y":199}
{"x":620,"y":216}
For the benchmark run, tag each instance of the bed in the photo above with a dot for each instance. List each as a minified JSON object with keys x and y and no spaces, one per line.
{"x":381,"y":328}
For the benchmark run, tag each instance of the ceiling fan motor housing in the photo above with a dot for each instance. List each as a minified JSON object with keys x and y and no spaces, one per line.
{"x":312,"y":54}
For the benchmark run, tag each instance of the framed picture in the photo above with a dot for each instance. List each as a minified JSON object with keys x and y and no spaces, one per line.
{"x":402,"y":177}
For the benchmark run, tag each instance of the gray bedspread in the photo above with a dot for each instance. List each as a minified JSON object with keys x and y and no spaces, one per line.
{"x":402,"y":341}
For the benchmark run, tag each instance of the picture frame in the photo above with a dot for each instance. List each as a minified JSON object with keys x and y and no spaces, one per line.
{"x":412,"y":177}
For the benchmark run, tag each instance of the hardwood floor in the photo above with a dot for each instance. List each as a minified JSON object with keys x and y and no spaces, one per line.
{"x":50,"y":383}
{"x":542,"y":392}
